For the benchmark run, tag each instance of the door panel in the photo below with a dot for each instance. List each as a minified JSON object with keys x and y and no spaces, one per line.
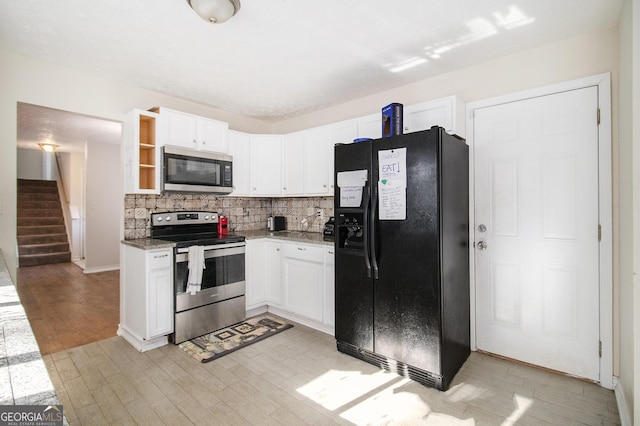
{"x":536,"y":215}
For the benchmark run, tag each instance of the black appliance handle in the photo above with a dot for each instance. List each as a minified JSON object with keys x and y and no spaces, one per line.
{"x":372,"y":235}
{"x":367,"y":262}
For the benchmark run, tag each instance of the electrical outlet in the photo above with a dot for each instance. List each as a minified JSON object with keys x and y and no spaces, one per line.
{"x":320,"y":213}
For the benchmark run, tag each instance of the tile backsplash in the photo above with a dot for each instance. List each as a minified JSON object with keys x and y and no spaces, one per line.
{"x":244,"y":213}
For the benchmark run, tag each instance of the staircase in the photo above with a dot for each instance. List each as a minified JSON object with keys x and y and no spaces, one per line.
{"x":42,"y":236}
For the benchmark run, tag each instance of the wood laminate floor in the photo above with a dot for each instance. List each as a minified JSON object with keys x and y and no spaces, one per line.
{"x":298,"y":378}
{"x":294,"y":378}
{"x":67,"y":308}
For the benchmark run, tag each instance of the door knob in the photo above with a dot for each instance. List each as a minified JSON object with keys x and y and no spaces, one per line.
{"x":482,"y":228}
{"x":481,"y":245}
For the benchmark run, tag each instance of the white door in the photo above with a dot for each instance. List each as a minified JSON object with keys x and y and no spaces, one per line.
{"x":536,"y":231}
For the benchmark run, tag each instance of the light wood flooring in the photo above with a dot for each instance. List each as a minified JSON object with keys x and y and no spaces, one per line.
{"x":67,"y":308}
{"x":294,"y":378}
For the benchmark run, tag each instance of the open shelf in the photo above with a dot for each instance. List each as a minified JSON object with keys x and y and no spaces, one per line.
{"x":147,"y":148}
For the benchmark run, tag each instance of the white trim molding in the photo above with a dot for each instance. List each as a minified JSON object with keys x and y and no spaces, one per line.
{"x":621,"y":401}
{"x":603,"y":83}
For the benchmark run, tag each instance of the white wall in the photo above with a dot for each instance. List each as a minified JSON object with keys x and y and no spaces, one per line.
{"x":39,"y":83}
{"x":104,"y":203}
{"x":29,"y":164}
{"x":626,"y":218}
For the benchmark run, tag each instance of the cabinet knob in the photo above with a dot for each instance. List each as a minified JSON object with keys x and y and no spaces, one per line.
{"x":203,"y":143}
{"x":324,"y":186}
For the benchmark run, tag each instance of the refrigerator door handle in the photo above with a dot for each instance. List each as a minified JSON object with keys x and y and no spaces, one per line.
{"x":367,"y":263}
{"x":372,"y":233}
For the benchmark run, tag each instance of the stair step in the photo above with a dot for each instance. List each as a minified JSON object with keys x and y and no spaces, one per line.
{"x":35,"y":213}
{"x":36,"y":182}
{"x":44,"y":259}
{"x":39,"y":221}
{"x":38,"y":204}
{"x":34,"y":249}
{"x":34,"y":196}
{"x":41,"y":230}
{"x":42,"y":239}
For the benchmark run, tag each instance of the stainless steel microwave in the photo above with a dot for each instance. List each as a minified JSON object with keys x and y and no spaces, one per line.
{"x":188,"y":170}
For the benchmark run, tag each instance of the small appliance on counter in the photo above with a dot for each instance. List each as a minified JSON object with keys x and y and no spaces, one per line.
{"x":329,"y":226}
{"x":276,"y":223}
{"x":223,"y":225}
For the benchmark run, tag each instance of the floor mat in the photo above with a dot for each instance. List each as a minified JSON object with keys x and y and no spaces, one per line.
{"x":230,"y":339}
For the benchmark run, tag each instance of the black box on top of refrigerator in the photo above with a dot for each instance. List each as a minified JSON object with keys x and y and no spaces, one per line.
{"x":402,"y":254}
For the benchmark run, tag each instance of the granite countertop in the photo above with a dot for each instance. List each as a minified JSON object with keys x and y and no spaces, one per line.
{"x":293,"y":236}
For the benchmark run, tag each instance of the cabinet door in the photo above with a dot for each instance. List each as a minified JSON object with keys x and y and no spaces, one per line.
{"x":303,"y":288}
{"x":212,"y":135}
{"x":446,"y":112}
{"x":160,"y":300}
{"x":180,"y":129}
{"x":329,"y":287}
{"x":316,"y":159}
{"x":240,"y":150}
{"x":266,"y":165}
{"x":272,"y":273}
{"x":255,"y":265}
{"x":293,"y":164}
{"x":370,"y":126}
{"x":303,"y":280}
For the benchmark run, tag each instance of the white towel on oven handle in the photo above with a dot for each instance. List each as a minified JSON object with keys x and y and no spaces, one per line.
{"x":196,"y":265}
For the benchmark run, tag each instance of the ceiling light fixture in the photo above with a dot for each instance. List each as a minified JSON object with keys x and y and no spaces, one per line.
{"x":48,"y":147}
{"x":215,"y":11}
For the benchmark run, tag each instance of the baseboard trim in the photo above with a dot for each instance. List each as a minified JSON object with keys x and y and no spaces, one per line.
{"x":100,"y":269}
{"x":621,"y":401}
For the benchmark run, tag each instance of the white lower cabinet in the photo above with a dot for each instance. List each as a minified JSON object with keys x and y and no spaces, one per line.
{"x":293,"y":280}
{"x":329,"y":316}
{"x":262,"y":274}
{"x":146,"y":299}
{"x":302,"y":276}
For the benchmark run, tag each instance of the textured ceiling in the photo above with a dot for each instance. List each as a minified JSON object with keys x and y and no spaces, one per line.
{"x":278,"y":59}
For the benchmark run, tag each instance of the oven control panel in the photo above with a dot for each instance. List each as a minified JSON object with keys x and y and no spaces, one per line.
{"x":183,"y":218}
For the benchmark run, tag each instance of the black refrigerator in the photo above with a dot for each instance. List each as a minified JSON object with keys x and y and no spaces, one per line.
{"x":401,"y":206}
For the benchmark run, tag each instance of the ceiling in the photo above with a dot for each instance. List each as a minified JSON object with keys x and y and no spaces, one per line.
{"x":278,"y":59}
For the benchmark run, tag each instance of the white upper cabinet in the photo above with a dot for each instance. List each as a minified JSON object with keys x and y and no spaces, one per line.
{"x":293,"y":163}
{"x":240,"y":150}
{"x":317,"y":161}
{"x":266,"y":165}
{"x":370,"y":126}
{"x":191,"y":131}
{"x":446,"y":112}
{"x":343,"y":132}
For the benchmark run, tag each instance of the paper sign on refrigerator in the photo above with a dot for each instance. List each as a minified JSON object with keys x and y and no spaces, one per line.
{"x":392,"y":184}
{"x":393,"y":165}
{"x":351,"y":184}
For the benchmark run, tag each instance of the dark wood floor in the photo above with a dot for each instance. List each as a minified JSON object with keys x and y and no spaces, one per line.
{"x":67,"y":308}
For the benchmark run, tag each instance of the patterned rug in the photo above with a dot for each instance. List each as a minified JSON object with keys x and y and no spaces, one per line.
{"x":224,"y":341}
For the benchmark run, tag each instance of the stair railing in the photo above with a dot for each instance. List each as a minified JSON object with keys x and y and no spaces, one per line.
{"x":60,"y":179}
{"x":66,"y":213}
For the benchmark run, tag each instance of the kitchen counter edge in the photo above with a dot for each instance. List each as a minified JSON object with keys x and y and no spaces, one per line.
{"x":291,"y":236}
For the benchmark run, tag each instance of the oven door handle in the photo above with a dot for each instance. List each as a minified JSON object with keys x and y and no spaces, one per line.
{"x":210,"y":254}
{"x":214,"y":247}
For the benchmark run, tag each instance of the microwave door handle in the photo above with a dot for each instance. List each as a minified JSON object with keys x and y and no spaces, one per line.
{"x":367,"y":262}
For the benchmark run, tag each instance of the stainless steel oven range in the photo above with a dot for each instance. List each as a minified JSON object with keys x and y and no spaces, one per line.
{"x":220,"y":302}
